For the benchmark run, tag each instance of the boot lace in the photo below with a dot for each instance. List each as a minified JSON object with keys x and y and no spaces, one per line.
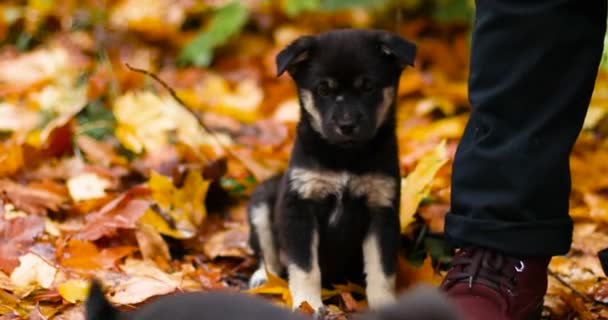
{"x":485,"y":267}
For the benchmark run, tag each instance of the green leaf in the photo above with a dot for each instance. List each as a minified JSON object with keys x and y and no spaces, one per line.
{"x":96,"y":121}
{"x":453,"y":10}
{"x":438,"y":249}
{"x":332,"y":5}
{"x":226,"y":22}
{"x":294,"y":7}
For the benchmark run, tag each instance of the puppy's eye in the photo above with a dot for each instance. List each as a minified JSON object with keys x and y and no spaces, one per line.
{"x":367,"y":86}
{"x":323,"y":89}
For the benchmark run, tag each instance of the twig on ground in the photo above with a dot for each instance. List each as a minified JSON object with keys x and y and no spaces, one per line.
{"x":174,"y":95}
{"x":581,"y":295}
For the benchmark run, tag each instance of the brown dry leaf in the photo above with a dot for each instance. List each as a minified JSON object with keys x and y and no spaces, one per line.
{"x":16,"y":236}
{"x":31,"y":199}
{"x":99,"y":152}
{"x":417,"y":184}
{"x":151,"y":243}
{"x":121,"y":213}
{"x":145,"y":281}
{"x":228,"y":243}
{"x":350,"y":304}
{"x":72,"y":313}
{"x":36,"y":314}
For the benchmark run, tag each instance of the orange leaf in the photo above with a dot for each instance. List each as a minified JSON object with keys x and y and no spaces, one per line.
{"x":85,"y":255}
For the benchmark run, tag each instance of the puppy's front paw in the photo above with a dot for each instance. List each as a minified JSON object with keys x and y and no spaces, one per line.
{"x":258,"y":278}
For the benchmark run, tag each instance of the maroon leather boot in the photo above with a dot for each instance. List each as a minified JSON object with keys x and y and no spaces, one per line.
{"x":486,"y":284}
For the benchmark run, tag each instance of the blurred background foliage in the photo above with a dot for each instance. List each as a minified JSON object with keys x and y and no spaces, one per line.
{"x":209,"y":24}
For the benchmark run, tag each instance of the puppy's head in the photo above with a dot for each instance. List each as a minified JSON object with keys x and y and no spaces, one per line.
{"x":347,"y":80}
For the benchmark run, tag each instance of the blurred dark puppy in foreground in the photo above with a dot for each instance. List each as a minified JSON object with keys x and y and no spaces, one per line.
{"x":332,"y":217}
{"x":422,"y":303}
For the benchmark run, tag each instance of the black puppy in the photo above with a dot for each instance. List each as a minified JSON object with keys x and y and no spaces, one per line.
{"x":422,"y":303}
{"x":333,"y":215}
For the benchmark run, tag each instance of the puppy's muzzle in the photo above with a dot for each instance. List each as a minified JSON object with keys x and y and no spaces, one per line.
{"x":347,"y":126}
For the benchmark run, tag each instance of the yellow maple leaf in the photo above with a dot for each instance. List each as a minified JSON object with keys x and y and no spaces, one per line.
{"x":184,"y":206}
{"x":417,"y":184}
{"x":447,"y":128}
{"x":147,"y":122}
{"x":274,"y":286}
{"x":215,"y":94}
{"x":74,"y":290}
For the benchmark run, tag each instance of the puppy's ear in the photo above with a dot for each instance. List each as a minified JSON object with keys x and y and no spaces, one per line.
{"x":97,"y":306}
{"x":395,"y":46}
{"x":294,"y":53}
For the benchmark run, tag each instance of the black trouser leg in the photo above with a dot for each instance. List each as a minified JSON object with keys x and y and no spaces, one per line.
{"x":531,"y":78}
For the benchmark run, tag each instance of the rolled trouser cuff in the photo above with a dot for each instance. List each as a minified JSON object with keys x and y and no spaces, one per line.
{"x":537,"y":238}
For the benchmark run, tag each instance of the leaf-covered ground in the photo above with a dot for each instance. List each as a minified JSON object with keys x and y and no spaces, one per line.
{"x":104,"y":174}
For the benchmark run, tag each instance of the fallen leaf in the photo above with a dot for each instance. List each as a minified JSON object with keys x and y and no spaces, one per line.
{"x":32,"y":68}
{"x":11,"y":158}
{"x":99,"y":152}
{"x":145,"y":281}
{"x":408,"y":275}
{"x":274,"y":286}
{"x":350,"y":304}
{"x":16,"y":236}
{"x":87,"y":186}
{"x":155,"y":18}
{"x":85,"y":255}
{"x":72,"y":313}
{"x":33,"y":271}
{"x":183,"y":208}
{"x":228,"y":243}
{"x":75,"y":290}
{"x":31,"y":199}
{"x":151,"y":243}
{"x":417,"y":184}
{"x":121,"y":213}
{"x":434,"y":216}
{"x":446,"y":128}
{"x":36,"y":314}
{"x":147,"y":122}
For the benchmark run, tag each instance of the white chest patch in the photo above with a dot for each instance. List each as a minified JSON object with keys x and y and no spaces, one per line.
{"x":378,"y":189}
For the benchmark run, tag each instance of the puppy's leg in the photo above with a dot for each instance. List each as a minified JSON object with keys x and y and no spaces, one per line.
{"x":301,"y":238}
{"x":380,"y":257}
{"x":261,"y":237}
{"x":262,"y":230}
